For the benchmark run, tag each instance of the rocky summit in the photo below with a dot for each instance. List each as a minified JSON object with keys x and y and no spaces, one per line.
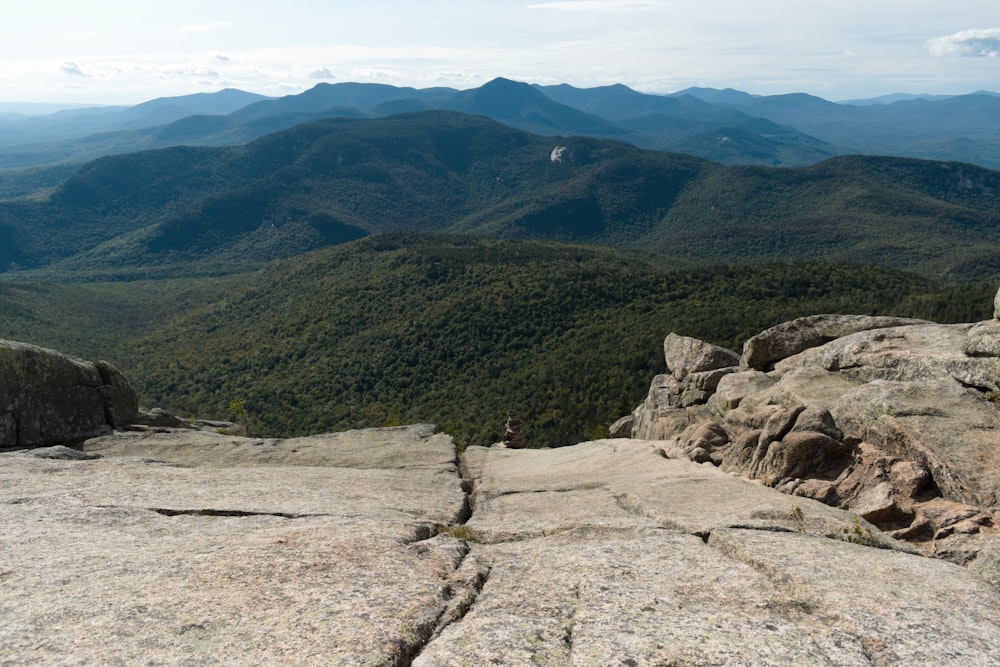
{"x":895,"y":420}
{"x":827,"y":497}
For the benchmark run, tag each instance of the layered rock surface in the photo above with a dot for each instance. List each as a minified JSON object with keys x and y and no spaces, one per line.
{"x":606,"y":553}
{"x":375,"y":548}
{"x":203,"y":549}
{"x":897,"y":420}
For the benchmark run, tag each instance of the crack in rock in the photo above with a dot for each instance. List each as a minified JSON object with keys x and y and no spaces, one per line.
{"x":569,"y":489}
{"x":230,"y":513}
{"x":765,"y":528}
{"x":463,"y":586}
{"x":471,"y":577}
{"x":465,"y":512}
{"x":571,"y":623}
{"x":794,"y":596}
{"x":460,"y":593}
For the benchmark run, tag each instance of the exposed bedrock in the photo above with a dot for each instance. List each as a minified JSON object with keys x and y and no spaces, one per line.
{"x":894,"y":419}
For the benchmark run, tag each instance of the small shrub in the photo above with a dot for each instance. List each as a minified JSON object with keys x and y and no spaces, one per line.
{"x":859,"y":534}
{"x":799,"y":518}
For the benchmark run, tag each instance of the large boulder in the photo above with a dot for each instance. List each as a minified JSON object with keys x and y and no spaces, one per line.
{"x":763,"y":350}
{"x":685,"y":355}
{"x":694,"y":371}
{"x":48,"y":398}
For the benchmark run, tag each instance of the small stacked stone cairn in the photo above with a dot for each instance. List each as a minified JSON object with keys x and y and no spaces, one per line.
{"x":512,"y":437}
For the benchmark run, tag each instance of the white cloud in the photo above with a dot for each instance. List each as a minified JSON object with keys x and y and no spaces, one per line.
{"x":597,"y":5}
{"x":968,"y":43}
{"x":376,"y":74}
{"x":322,"y":73}
{"x":196,"y":70}
{"x":72,"y":69}
{"x":203,"y":27}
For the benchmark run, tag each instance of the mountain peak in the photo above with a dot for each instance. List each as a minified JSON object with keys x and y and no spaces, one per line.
{"x":501,"y":85}
{"x":502,"y":97}
{"x":716,"y":96}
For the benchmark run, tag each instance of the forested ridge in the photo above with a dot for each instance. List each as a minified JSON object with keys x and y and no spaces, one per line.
{"x":184,"y":211}
{"x":454,"y":330}
{"x":440,"y":267}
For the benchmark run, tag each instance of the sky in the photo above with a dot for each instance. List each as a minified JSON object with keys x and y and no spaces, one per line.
{"x":111,"y":52}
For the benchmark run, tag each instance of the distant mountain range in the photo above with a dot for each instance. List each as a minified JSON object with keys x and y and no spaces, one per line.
{"x":727,"y":126}
{"x":208,"y":211}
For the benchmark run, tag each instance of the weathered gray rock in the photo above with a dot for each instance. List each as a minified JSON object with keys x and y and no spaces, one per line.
{"x":197,"y":548}
{"x":674,"y":403}
{"x":784,"y":340}
{"x":160,"y":418}
{"x":121,"y":406}
{"x":734,"y":387}
{"x":606,"y":554}
{"x":703,"y":442}
{"x":660,"y":413}
{"x":320,"y":557}
{"x":979,"y":552}
{"x":818,"y":420}
{"x":949,"y":430}
{"x":58,"y":452}
{"x":392,"y":447}
{"x":48,"y":398}
{"x":983,"y":340}
{"x":622,"y":428}
{"x":685,"y":355}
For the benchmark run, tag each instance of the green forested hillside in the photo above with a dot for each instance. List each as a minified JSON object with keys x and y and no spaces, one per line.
{"x":447,"y":329}
{"x":385,"y":320}
{"x":209,"y":211}
{"x":98,"y":320}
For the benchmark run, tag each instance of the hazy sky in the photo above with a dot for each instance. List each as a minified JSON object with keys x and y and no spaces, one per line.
{"x":103,"y":51}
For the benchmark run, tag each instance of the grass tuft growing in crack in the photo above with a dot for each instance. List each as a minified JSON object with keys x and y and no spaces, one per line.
{"x":460,"y":532}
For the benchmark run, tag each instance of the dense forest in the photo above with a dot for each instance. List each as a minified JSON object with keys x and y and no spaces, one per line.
{"x":454,"y":330}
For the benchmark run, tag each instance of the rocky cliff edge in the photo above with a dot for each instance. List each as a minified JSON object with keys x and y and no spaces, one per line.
{"x":896,"y":420}
{"x":167,"y":545}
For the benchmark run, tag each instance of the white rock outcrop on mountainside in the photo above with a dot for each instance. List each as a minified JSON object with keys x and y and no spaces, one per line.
{"x":897,"y":420}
